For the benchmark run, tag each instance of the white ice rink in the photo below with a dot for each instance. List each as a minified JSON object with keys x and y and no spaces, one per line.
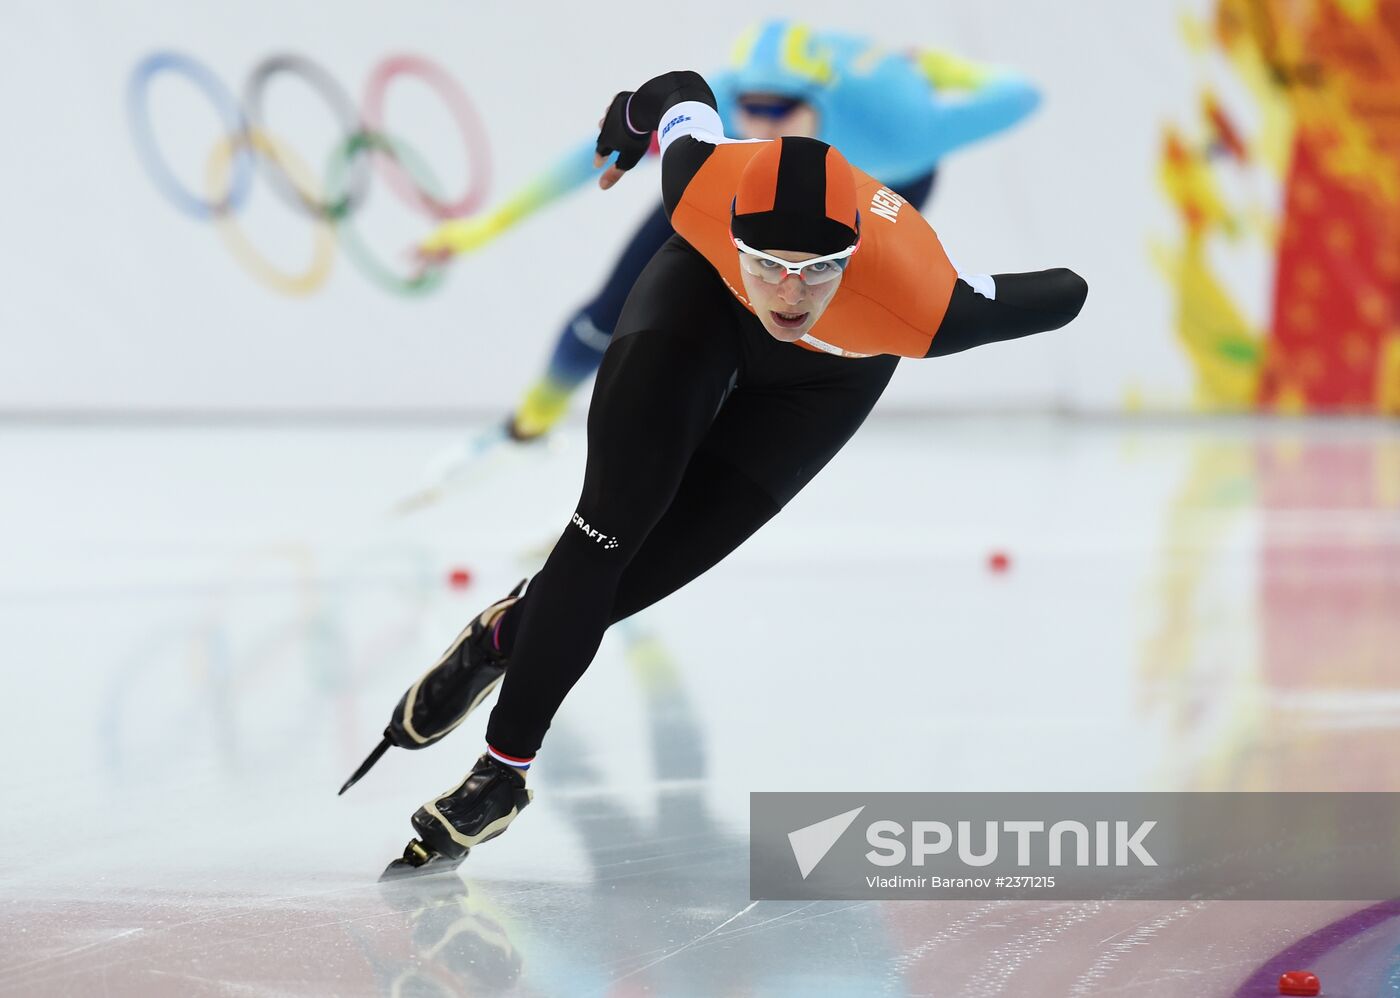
{"x":204,"y":630}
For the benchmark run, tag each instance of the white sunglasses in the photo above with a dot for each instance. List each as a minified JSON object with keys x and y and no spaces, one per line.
{"x":772,"y":269}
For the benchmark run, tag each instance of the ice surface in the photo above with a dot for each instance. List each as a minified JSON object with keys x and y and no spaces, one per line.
{"x":205,"y":630}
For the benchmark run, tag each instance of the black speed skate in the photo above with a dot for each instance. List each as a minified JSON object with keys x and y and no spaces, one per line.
{"x":443,"y":696}
{"x":475,"y":811}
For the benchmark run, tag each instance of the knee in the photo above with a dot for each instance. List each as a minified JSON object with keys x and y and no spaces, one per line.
{"x":604,"y":311}
{"x":592,"y":331}
{"x":592,"y":537}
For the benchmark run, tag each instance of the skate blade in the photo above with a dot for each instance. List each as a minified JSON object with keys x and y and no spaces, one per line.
{"x":417,"y":501}
{"x":420,"y":861}
{"x":368,"y":764}
{"x":455,"y":470}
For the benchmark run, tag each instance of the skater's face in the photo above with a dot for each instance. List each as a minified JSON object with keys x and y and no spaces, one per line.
{"x":771,"y":116}
{"x":790,"y":308}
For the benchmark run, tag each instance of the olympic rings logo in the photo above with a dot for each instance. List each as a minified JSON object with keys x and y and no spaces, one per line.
{"x":330,"y":199}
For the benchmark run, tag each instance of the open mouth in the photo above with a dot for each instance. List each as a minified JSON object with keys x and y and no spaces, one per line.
{"x":789,"y":320}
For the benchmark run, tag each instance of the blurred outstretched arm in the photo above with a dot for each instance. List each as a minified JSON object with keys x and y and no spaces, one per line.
{"x":970,"y":101}
{"x":465,"y":235}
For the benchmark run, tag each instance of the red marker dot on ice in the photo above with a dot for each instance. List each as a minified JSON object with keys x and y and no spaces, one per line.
{"x":1299,"y":982}
{"x":998,"y":561}
{"x":459,"y":578}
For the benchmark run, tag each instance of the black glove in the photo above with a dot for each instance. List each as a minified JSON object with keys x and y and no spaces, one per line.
{"x":617,"y":135}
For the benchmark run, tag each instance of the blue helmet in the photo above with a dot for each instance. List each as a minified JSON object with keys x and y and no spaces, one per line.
{"x":780,"y":57}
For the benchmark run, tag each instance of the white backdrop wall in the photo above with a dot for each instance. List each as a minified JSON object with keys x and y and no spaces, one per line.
{"x":116,"y":300}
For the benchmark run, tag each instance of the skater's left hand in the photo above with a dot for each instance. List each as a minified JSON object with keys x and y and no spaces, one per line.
{"x":616,"y":135}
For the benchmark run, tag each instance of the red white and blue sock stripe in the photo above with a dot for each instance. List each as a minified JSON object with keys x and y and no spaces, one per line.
{"x":509,"y":760}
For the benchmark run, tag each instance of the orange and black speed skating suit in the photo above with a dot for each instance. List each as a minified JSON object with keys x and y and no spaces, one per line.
{"x":702,"y":426}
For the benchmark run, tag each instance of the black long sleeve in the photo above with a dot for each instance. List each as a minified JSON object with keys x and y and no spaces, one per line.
{"x":658,"y":95}
{"x":1024,"y":304}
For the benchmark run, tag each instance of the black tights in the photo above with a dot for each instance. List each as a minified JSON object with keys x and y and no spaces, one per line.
{"x":701,"y":428}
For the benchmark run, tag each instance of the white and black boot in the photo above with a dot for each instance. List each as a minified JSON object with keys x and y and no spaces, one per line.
{"x":446,"y":694}
{"x":476,"y":810}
